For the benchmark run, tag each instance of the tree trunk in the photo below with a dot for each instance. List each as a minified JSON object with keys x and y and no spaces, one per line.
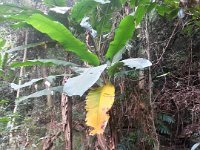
{"x":66,"y":108}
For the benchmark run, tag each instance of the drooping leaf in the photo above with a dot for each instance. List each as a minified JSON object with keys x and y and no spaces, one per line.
{"x":60,"y":33}
{"x":16,"y":87}
{"x":98,"y":103}
{"x":80,"y":84}
{"x":48,"y":62}
{"x":82,"y":9}
{"x":123,"y":33}
{"x":41,"y":93}
{"x":137,"y":63}
{"x":18,"y":48}
{"x":33,"y":81}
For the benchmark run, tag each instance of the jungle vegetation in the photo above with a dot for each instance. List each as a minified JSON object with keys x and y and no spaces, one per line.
{"x":99,"y":74}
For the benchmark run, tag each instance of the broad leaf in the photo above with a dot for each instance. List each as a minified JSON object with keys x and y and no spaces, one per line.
{"x":48,"y":62}
{"x":98,"y":103}
{"x":137,"y":63}
{"x":41,"y":93}
{"x":80,"y":84}
{"x":60,"y":33}
{"x":126,"y":28}
{"x":122,"y":35}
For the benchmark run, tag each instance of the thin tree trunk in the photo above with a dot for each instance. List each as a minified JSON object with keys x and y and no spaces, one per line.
{"x":156,"y":143}
{"x":12,"y":123}
{"x":113,"y":131}
{"x":66,"y":108}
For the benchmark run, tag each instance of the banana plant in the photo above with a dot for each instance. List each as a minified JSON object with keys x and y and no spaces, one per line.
{"x":99,"y":100}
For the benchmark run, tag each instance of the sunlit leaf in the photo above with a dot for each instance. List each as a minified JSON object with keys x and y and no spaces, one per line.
{"x":80,"y":84}
{"x":137,"y":63}
{"x":60,"y":10}
{"x":60,"y":33}
{"x":123,"y":33}
{"x":98,"y":103}
{"x":102,"y":1}
{"x":126,"y":28}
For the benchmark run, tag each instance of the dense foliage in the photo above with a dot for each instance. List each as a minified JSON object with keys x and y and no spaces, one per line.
{"x":106,"y":47}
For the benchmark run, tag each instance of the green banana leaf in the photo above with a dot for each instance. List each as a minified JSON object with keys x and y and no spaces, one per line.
{"x":60,"y":33}
{"x":122,"y":35}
